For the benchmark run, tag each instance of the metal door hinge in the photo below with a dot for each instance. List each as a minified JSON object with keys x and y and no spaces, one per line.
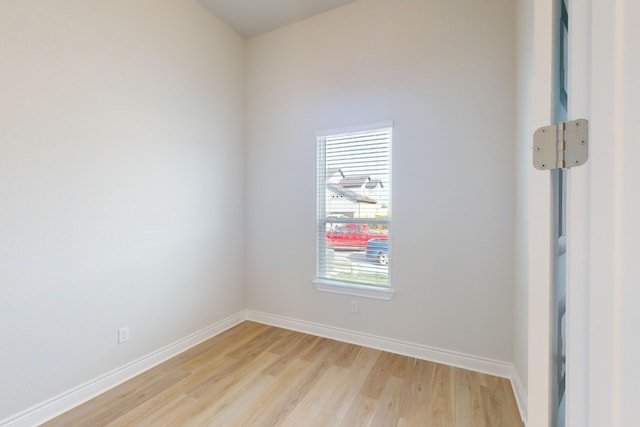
{"x":563,"y":145}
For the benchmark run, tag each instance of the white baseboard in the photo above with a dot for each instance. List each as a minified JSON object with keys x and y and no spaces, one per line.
{"x":57,"y":405}
{"x":520,"y":394}
{"x":446,"y":357}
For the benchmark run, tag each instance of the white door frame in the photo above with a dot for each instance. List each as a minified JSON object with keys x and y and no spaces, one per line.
{"x":578,"y":233}
{"x":594,"y":208}
{"x":539,"y":222}
{"x":596,"y":279}
{"x":579,"y":206}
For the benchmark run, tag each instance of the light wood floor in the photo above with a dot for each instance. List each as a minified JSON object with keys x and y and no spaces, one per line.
{"x":258,"y":375}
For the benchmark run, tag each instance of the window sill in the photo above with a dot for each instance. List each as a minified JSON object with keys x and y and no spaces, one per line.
{"x":366,"y":291}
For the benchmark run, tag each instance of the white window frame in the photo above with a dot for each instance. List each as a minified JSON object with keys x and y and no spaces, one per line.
{"x":339,"y":287}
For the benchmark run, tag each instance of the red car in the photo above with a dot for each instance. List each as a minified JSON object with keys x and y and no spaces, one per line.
{"x":351,"y":236}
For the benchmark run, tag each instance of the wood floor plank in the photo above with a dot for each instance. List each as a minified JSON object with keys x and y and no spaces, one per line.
{"x":377,"y":377}
{"x":171,"y":414}
{"x":469,"y":403}
{"x":441,"y":404}
{"x":225,"y":342}
{"x":227,"y":383}
{"x":388,"y":406}
{"x":259,"y":375}
{"x":289,"y":349}
{"x":279,"y":396}
{"x":346,"y":355}
{"x":360,"y":413}
{"x":231,"y":405}
{"x":291,"y":394}
{"x":341,"y":394}
{"x":308,"y":411}
{"x":128,"y":398}
{"x":321,"y":357}
{"x":415,"y":406}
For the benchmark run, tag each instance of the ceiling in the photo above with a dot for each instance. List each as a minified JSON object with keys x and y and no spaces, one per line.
{"x":253,"y":17}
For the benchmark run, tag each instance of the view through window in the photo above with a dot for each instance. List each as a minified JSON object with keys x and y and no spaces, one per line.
{"x":354,"y":212}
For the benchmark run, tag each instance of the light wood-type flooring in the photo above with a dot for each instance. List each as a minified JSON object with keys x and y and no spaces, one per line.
{"x":258,"y":375}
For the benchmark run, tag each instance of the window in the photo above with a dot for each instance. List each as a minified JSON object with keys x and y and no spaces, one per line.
{"x":354,"y":211}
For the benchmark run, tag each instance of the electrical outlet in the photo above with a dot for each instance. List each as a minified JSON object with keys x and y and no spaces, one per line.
{"x":354,"y":306}
{"x":123,"y":334}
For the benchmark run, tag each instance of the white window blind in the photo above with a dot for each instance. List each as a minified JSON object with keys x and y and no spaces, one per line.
{"x":354,"y":207}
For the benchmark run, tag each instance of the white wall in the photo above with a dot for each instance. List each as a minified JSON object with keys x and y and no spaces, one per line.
{"x":120,"y":185}
{"x":444,"y":72}
{"x":523,"y":161}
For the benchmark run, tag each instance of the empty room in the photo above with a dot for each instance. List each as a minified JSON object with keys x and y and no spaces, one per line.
{"x":313,"y":213}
